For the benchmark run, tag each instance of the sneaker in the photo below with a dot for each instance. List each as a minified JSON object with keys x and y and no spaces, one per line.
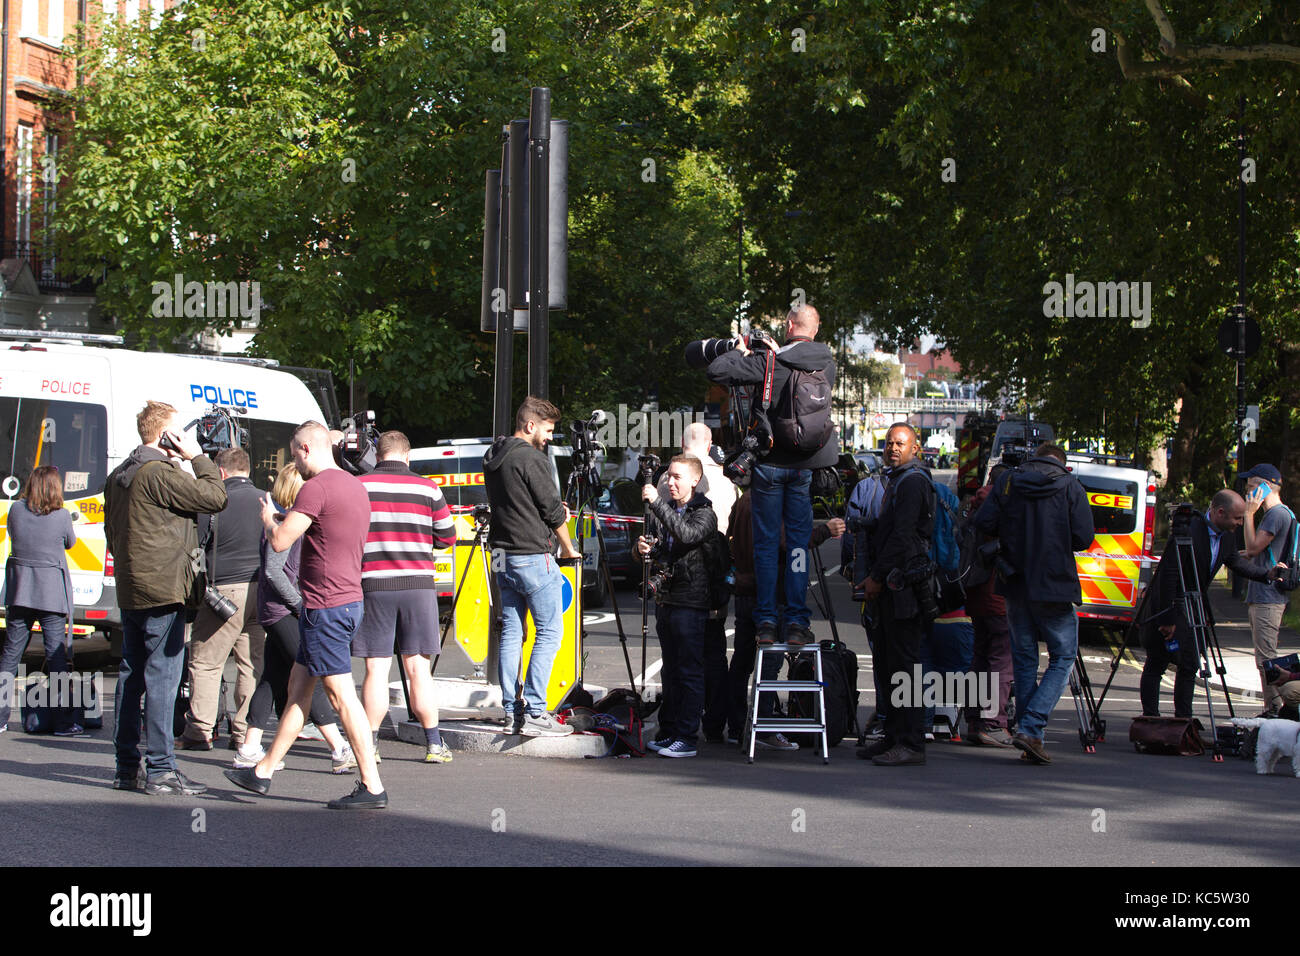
{"x":775,"y":742}
{"x":127,"y":780}
{"x":765,"y":633}
{"x":874,"y":749}
{"x":174,"y":782}
{"x":899,"y":756}
{"x":875,"y":731}
{"x":244,"y":760}
{"x":658,"y":745}
{"x":360,"y":799}
{"x":544,"y":725}
{"x":994,"y":737}
{"x":249,"y":780}
{"x":1032,"y":747}
{"x":437,"y":753}
{"x":73,"y":730}
{"x":797,"y":636}
{"x":678,"y":748}
{"x":345,"y":763}
{"x":310,"y":732}
{"x":511,"y":723}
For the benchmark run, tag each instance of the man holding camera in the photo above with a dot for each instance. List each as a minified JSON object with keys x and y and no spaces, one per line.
{"x":798,"y":379}
{"x":1040,"y":514}
{"x":1166,"y":637}
{"x":1265,"y":540}
{"x":229,"y":626}
{"x":526,"y":511}
{"x":899,"y":577}
{"x":676,"y":536}
{"x":151,"y":507}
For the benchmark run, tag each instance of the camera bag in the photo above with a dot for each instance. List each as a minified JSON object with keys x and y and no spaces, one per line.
{"x":1167,"y":735}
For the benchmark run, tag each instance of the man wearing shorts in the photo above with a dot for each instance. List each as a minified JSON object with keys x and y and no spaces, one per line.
{"x":409,"y":520}
{"x":332,"y":516}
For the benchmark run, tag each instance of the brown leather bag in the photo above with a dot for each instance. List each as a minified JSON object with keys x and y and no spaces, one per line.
{"x":1167,"y":735}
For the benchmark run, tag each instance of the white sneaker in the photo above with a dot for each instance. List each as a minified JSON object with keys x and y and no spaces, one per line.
{"x":544,"y":725}
{"x":246,"y":759}
{"x":658,"y":745}
{"x":346,"y":762}
{"x":775,"y":742}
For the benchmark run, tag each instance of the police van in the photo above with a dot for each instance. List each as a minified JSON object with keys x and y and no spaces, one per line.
{"x":67,"y":400}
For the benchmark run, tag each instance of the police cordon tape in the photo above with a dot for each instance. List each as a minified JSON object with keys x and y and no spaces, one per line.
{"x":614,"y":519}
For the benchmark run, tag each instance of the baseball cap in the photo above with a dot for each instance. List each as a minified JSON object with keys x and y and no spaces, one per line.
{"x":1267,"y":472}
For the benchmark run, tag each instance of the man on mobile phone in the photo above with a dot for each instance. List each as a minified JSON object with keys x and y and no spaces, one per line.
{"x":1265,"y":536}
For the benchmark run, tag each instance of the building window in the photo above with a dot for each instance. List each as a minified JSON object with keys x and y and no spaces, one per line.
{"x":30,"y":24}
{"x":55,"y":19}
{"x":23,"y":183}
{"x":50,"y":184}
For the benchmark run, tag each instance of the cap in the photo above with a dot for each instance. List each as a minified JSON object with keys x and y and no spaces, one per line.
{"x":1264,"y":471}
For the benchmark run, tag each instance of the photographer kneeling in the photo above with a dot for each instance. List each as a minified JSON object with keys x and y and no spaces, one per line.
{"x":680,"y":584}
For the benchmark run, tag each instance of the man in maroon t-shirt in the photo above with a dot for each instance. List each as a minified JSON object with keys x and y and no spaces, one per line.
{"x":332,"y":516}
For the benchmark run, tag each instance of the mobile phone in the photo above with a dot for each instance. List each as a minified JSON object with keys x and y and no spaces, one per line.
{"x":1261,"y":491}
{"x":165,"y":441}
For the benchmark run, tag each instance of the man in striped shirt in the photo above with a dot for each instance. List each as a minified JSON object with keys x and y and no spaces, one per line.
{"x":409,"y":520}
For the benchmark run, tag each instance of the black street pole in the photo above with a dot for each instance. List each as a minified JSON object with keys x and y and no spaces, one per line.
{"x":1241,"y":283}
{"x":539,"y":158}
{"x":503,"y":412}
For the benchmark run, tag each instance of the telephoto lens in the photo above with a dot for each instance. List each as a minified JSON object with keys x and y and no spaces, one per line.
{"x":219,"y":604}
{"x":701,"y":353}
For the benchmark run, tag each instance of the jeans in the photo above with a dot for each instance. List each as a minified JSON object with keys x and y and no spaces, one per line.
{"x":681,"y":642}
{"x":153,"y":652}
{"x":1055,"y":624}
{"x":781,"y":495}
{"x":529,"y":583}
{"x":54,"y":630}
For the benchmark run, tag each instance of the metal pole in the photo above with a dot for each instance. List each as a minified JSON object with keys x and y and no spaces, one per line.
{"x":502,"y":412}
{"x":539,"y":187}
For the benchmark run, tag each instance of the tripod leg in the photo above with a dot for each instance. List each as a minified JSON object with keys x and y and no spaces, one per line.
{"x":609,"y":587}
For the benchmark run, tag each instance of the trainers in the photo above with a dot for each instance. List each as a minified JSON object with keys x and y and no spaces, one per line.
{"x":797,"y":636}
{"x":437,"y":753}
{"x":1032,"y":748}
{"x":899,"y":756}
{"x":345,"y":763}
{"x":658,"y":745}
{"x":127,"y":780}
{"x":174,"y":782}
{"x":875,"y":731}
{"x":544,"y":725}
{"x":874,"y":749}
{"x":994,"y":737}
{"x":510,"y":724}
{"x":765,"y":633}
{"x":245,"y":760}
{"x":678,"y":748}
{"x":360,"y":799}
{"x":249,"y":780}
{"x":775,"y":742}
{"x":73,"y":730}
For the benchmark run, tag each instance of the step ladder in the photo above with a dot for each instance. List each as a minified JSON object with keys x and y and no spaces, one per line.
{"x":756,"y":725}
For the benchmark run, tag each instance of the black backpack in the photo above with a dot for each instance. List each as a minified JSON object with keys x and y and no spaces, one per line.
{"x":717,"y":565}
{"x":801,"y":419}
{"x":840,"y":673}
{"x":1289,"y":579}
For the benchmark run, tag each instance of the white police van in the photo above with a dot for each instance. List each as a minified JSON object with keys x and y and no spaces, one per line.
{"x":69,"y":401}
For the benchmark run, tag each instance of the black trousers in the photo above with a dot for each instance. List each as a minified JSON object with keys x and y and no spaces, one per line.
{"x":1158,"y":661}
{"x":901,"y":648}
{"x":715,"y":675}
{"x":273,"y":688}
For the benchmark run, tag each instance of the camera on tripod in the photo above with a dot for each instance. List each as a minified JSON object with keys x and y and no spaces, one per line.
{"x":358,"y":450}
{"x":216,"y":430}
{"x":1014,"y":454}
{"x":1180,"y":519}
{"x":482,"y":514}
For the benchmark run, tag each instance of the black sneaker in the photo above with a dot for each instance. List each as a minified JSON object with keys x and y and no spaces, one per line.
{"x":72,"y":730}
{"x":765,"y":633}
{"x":127,"y":779}
{"x":899,"y":756}
{"x":174,"y":782}
{"x":874,"y":749}
{"x":360,"y":799}
{"x":247,"y":778}
{"x":797,"y":636}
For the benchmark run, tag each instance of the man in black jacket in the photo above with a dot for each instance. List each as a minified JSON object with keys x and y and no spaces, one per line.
{"x":527,"y":516}
{"x":234,"y":557}
{"x":1166,"y":637}
{"x":1040,"y":513}
{"x":901,"y":542}
{"x":781,"y":481}
{"x":680,"y":526}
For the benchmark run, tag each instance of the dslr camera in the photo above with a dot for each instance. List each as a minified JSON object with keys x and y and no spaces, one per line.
{"x":740,"y":461}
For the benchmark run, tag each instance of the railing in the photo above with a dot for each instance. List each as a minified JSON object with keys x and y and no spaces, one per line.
{"x":46,"y":269}
{"x":927,"y":404}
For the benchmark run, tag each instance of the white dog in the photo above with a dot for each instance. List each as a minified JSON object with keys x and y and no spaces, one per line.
{"x":1277,"y":739}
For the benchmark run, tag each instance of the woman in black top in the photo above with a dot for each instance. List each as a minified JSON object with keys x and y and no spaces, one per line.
{"x":38,"y":586}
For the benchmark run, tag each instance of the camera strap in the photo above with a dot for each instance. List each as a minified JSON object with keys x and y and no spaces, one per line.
{"x":766,"y":400}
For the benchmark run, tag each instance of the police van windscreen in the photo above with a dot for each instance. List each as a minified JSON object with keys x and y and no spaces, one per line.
{"x":71,"y":436}
{"x":1114,"y":504}
{"x":267,"y":447}
{"x":459,"y":477}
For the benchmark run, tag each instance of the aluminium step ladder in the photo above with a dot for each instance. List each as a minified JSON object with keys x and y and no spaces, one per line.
{"x":756,"y":725}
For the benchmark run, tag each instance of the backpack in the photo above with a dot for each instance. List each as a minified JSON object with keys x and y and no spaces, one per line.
{"x":945,"y":549}
{"x":840,"y":676}
{"x":617,"y":718}
{"x":801,"y":419}
{"x":864,"y":505}
{"x":717,"y":566}
{"x":1289,"y":580}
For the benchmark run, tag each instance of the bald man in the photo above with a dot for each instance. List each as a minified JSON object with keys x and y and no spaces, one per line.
{"x":781,"y":483}
{"x":332,"y":516}
{"x":1213,"y":534}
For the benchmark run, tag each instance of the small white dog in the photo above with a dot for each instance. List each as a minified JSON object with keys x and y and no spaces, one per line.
{"x":1277,"y":739}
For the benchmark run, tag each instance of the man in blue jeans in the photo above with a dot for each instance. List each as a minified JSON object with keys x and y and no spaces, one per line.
{"x":802,"y":438}
{"x":1040,"y":513}
{"x":526,"y":511}
{"x":151,"y":510}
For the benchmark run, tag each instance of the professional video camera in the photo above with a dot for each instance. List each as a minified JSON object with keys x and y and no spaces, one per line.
{"x":646,"y":466}
{"x":585,"y":450}
{"x":215,"y":431}
{"x":358,"y":450}
{"x":1014,"y":453}
{"x":1180,"y":518}
{"x":740,"y":461}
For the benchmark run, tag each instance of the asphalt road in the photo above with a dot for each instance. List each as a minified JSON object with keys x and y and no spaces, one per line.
{"x":968,"y":805}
